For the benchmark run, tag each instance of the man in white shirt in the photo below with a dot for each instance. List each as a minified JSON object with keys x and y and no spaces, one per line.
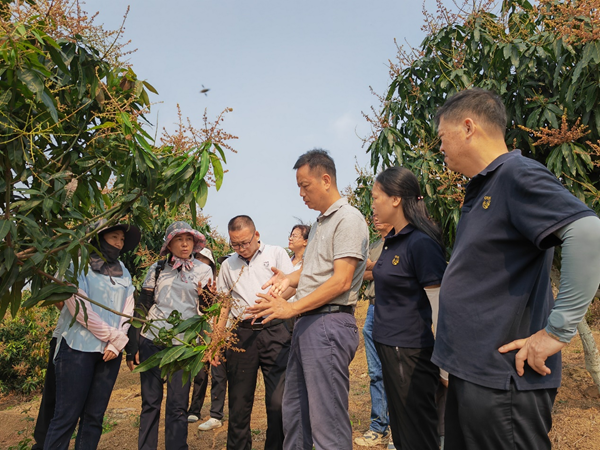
{"x":265,"y":345}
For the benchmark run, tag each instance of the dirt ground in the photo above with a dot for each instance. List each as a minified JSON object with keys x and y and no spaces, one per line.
{"x":576,"y":411}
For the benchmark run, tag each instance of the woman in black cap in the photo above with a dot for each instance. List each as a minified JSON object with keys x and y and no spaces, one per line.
{"x":88,"y":353}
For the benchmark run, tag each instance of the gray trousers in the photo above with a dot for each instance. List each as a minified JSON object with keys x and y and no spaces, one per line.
{"x":315,"y":399}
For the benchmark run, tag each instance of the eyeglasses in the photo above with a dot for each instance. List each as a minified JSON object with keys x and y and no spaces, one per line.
{"x":295,"y":236}
{"x":241,"y":245}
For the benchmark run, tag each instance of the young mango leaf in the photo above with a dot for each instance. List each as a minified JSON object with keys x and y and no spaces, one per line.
{"x":218,"y":171}
{"x":172,"y":355}
{"x":47,"y":291}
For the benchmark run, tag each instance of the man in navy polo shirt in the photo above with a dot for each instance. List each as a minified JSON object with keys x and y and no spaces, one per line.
{"x":500,"y":332}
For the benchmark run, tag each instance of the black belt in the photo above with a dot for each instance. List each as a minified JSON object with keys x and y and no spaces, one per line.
{"x":328,"y":309}
{"x":258,"y":325}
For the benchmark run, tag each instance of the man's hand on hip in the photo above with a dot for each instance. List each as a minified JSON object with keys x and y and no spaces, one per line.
{"x":535,"y":350}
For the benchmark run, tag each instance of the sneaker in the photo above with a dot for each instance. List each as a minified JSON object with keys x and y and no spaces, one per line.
{"x":370,"y":439}
{"x":192,"y":418}
{"x":210,"y":424}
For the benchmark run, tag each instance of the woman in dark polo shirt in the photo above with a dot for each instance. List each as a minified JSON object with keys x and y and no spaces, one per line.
{"x":407,"y":277}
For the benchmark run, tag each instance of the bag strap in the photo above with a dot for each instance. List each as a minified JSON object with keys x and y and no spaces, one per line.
{"x":160,"y":265}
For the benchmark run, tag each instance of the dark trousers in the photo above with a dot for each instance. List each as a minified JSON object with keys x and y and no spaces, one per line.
{"x":478,"y":417}
{"x":84,"y":383}
{"x":176,"y":425}
{"x":315,"y":407}
{"x":218,"y":389}
{"x":268,"y":349}
{"x":411,"y":381}
{"x":48,"y":402}
{"x":199,"y":392}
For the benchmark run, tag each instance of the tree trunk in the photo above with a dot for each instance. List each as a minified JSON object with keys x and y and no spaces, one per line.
{"x":590,"y":350}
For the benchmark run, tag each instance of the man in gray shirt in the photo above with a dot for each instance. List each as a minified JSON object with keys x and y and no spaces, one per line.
{"x":325,"y":339}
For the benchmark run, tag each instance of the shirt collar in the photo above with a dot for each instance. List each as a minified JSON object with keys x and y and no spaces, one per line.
{"x":404,"y":231}
{"x":498,"y":162}
{"x":333,"y":208}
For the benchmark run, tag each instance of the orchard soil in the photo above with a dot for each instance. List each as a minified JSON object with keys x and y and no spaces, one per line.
{"x":576,"y":411}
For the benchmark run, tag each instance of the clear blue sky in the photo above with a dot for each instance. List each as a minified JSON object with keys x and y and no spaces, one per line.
{"x":297,"y":75}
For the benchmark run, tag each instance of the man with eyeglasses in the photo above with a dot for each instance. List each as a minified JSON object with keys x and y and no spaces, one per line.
{"x":265,"y":345}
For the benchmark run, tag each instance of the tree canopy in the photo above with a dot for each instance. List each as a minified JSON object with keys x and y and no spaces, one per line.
{"x":75,"y":147}
{"x":542,"y":59}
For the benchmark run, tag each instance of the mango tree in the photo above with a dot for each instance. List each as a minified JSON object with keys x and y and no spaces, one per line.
{"x":72,"y":129}
{"x":543,"y":60}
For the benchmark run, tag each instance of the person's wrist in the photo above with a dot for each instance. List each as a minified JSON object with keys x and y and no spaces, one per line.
{"x":557,"y":336}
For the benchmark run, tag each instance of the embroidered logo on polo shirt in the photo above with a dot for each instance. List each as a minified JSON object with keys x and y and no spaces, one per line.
{"x":486,"y":202}
{"x":267,"y":265}
{"x":396,"y":260}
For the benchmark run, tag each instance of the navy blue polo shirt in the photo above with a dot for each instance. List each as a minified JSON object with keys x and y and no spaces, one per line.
{"x":497,"y":285}
{"x":409,"y":262}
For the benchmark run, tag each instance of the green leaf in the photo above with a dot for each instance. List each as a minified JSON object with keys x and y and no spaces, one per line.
{"x":204,"y":164}
{"x":4,"y":228}
{"x":533,"y":119}
{"x":193,"y":210}
{"x":177,"y":166}
{"x":47,"y":291}
{"x":16,"y":292}
{"x":150,"y":87}
{"x":5,"y":98}
{"x":64,"y":262}
{"x":187,"y":324}
{"x":217,"y":170}
{"x":55,"y":298}
{"x":32,"y":80}
{"x":555,"y":109}
{"x":49,"y":102}
{"x":150,"y":363}
{"x":596,"y":52}
{"x":125,"y":119}
{"x":568,"y":155}
{"x":172,"y":355}
{"x":202,"y":194}
{"x":57,"y":58}
{"x":102,"y":126}
{"x":221,"y":152}
{"x":197,"y":365}
{"x":577,"y":71}
{"x":8,"y":280}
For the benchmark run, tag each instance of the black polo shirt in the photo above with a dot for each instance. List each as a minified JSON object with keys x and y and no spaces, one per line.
{"x":497,"y":285}
{"x":409,"y":262}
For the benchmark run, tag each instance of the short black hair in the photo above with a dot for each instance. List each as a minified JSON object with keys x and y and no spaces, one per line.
{"x":318,"y":159}
{"x":481,"y":103}
{"x":240,"y":222}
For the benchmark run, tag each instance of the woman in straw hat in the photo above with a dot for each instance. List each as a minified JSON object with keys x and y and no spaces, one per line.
{"x":178,"y":287}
